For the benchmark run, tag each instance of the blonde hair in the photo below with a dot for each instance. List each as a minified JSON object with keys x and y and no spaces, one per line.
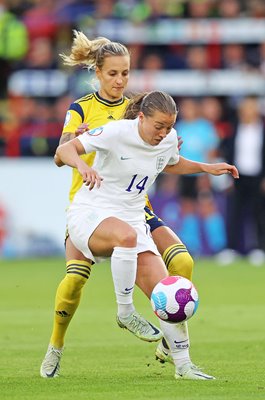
{"x":92,"y":53}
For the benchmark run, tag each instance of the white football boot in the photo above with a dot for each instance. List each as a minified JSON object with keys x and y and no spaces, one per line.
{"x":163,"y":354}
{"x":141,"y":328}
{"x":191,"y":372}
{"x":50,"y":366}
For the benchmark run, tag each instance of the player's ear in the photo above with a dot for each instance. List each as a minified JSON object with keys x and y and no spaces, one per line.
{"x":141,"y":116}
{"x":97,"y":71}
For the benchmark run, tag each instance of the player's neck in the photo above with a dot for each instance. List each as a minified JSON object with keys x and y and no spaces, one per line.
{"x":104,"y":96}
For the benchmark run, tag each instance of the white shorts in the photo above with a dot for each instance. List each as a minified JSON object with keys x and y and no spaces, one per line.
{"x":82,"y":221}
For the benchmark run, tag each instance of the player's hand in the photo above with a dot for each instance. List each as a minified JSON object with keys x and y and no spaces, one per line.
{"x":90,"y":177}
{"x":81,"y":129}
{"x":180,"y":142}
{"x":221,"y":169}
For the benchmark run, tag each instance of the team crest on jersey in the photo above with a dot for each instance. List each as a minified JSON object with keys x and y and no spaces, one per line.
{"x":160,"y":161}
{"x":95,"y":132}
{"x":67,"y":118}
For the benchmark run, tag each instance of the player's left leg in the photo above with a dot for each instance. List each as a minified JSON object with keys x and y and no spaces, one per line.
{"x":177,"y":338}
{"x":148,"y":275}
{"x":67,"y":299}
{"x":150,"y":271}
{"x":69,"y":292}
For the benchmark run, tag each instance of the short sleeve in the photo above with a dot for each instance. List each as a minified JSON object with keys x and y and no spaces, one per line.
{"x":99,"y":139}
{"x":74,"y":117}
{"x":174,"y":159}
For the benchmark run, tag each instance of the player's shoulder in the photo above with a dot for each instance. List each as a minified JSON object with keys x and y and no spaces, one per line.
{"x":117,"y":129}
{"x":83,"y":103}
{"x":120,"y":124}
{"x":172,"y":136}
{"x":84,"y":99}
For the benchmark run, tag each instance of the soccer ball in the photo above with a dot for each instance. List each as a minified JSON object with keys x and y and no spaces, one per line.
{"x":174,"y":299}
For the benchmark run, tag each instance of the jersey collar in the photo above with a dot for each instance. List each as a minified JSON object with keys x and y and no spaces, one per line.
{"x":108,"y":102}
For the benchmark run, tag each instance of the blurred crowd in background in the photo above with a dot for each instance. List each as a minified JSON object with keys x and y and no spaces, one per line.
{"x":212,"y":216}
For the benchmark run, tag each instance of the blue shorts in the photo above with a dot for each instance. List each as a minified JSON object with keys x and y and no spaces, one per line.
{"x":152,"y":219}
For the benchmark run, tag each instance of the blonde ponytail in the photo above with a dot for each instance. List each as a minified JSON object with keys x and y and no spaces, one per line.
{"x":91,"y":53}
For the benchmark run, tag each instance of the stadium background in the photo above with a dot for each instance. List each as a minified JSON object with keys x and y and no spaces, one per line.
{"x":211,"y":53}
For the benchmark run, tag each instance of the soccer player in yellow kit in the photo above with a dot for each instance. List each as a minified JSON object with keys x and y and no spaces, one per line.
{"x":111,"y":62}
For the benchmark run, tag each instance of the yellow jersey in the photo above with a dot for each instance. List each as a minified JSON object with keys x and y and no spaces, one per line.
{"x":95,"y":111}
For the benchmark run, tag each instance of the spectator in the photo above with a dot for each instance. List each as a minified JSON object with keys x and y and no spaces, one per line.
{"x":41,"y":55}
{"x":199,"y":9}
{"x":175,"y":57}
{"x":152,"y":62}
{"x":197,"y":58}
{"x":212,"y":110}
{"x":262,"y":57}
{"x":256,"y":9}
{"x":246,"y":147}
{"x":235,"y":57}
{"x":41,"y":20}
{"x":136,"y":51}
{"x":104,"y":9}
{"x":13,"y":44}
{"x":213,"y":224}
{"x":229,"y":8}
{"x":200,"y":143}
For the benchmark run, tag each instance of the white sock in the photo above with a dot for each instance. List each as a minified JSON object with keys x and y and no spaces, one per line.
{"x":123,"y":268}
{"x":177,"y":337}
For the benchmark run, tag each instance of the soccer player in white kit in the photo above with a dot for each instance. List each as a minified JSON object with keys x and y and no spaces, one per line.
{"x":106,"y":217}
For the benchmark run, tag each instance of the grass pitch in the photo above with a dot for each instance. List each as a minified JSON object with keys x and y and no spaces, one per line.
{"x":103,"y":362}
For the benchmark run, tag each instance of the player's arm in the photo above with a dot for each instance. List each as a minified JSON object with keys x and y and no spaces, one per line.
{"x":69,"y":154}
{"x":66,"y":137}
{"x":185,"y":166}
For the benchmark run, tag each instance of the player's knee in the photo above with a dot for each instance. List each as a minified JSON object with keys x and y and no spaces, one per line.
{"x":127,"y":238}
{"x":187,"y":265}
{"x":179,"y":261}
{"x":77,"y":275}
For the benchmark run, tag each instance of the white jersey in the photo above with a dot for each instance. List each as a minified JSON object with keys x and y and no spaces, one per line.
{"x":128,"y":166}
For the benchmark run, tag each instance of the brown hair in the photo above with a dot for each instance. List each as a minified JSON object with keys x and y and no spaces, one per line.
{"x":92,"y":53}
{"x":150,"y":102}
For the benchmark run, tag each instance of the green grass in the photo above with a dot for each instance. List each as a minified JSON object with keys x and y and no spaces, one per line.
{"x":103,"y":362}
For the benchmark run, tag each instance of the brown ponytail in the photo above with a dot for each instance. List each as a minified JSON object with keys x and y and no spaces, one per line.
{"x":150,"y":102}
{"x":134,"y":106}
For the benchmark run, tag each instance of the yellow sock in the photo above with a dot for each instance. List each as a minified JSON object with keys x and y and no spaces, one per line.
{"x":68,"y":298}
{"x":178,"y":261}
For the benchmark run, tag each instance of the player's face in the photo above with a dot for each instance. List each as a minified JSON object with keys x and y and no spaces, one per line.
{"x":113,"y":77}
{"x":155,"y":128}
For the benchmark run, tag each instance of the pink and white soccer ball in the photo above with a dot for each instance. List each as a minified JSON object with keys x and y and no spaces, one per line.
{"x":174,"y":299}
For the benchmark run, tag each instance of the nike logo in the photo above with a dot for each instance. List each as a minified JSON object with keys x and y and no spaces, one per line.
{"x":182,"y":344}
{"x":156,"y":331}
{"x":125,"y":158}
{"x":51,"y":375}
{"x":127,"y":290}
{"x":203,"y":376}
{"x":182,"y":341}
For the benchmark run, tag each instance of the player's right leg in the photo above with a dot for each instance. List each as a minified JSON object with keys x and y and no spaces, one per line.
{"x":176,"y":258}
{"x":116,"y":237}
{"x":66,"y":302}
